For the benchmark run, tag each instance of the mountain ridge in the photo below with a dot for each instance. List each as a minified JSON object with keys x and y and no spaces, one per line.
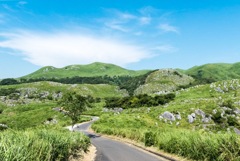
{"x":89,"y":70}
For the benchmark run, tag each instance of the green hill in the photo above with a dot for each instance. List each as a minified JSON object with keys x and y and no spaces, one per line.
{"x":214,"y":72}
{"x":163,"y":81}
{"x":90,"y":70}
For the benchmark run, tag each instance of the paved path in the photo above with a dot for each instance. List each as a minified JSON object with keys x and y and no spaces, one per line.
{"x":110,"y":150}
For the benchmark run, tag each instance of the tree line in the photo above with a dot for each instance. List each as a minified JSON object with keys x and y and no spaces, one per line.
{"x":138,"y":101}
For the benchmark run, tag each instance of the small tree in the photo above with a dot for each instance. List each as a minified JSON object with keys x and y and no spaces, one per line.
{"x":74,"y":104}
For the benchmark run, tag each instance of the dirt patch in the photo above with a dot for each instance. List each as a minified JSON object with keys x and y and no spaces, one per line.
{"x":88,"y":156}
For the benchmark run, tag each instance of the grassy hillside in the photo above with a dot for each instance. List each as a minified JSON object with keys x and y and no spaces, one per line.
{"x":51,"y":89}
{"x":90,"y":70}
{"x":163,"y":81}
{"x":210,"y":134}
{"x":215,"y":72}
{"x":31,"y":104}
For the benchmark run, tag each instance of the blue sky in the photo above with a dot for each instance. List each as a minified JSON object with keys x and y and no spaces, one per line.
{"x":135,"y":34}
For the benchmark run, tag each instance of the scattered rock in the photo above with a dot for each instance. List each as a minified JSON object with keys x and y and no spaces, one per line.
{"x":148,"y":110}
{"x":105,"y":110}
{"x":160,"y":117}
{"x":237,"y":131}
{"x":193,"y":115}
{"x":206,"y":120}
{"x":190,"y":119}
{"x":51,"y":121}
{"x":237,"y":111}
{"x":178,"y":116}
{"x":214,"y":111}
{"x":169,"y":116}
{"x":117,"y":110}
{"x":200,"y":113}
{"x":3,"y":127}
{"x":57,"y":109}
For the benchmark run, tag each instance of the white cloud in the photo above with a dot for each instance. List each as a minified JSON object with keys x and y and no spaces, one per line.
{"x":165,"y":48}
{"x":60,"y":49}
{"x":168,"y":28}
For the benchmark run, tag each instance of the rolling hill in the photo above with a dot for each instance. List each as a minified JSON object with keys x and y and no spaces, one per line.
{"x":214,"y":72}
{"x":90,"y":70}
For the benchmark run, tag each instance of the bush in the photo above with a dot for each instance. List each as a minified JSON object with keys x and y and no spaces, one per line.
{"x":149,"y":138}
{"x":232,"y":121}
{"x":228,"y":103}
{"x":138,"y":101}
{"x":217,"y":118}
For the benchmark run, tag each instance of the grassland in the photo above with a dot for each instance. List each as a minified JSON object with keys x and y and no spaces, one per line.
{"x":99,"y":90}
{"x":90,"y":70}
{"x":31,"y":105}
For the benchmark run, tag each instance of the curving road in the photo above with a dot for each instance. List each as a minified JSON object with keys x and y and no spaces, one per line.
{"x":110,"y":150}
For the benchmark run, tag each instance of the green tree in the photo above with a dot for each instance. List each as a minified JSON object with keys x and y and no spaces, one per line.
{"x":74,"y":104}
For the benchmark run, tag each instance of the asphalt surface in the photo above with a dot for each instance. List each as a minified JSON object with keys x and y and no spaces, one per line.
{"x":110,"y":150}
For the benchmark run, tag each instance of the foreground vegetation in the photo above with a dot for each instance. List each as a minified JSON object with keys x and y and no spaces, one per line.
{"x":41,"y":144}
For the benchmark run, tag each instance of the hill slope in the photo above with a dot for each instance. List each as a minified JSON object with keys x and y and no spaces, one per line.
{"x":215,"y":72}
{"x":90,"y":70}
{"x":163,"y":81}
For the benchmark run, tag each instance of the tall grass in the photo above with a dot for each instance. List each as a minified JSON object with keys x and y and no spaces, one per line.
{"x":40,"y":145}
{"x":194,"y":145}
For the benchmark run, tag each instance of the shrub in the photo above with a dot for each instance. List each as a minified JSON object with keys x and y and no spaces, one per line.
{"x":232,"y":121}
{"x":217,"y":118}
{"x":149,"y":138}
{"x":228,"y":103}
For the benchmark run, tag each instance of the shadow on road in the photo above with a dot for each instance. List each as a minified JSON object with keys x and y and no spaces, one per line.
{"x":91,"y":136}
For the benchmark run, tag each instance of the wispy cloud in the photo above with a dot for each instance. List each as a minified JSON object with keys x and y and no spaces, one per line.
{"x":8,"y":8}
{"x":64,"y":48}
{"x":126,"y":22}
{"x":168,"y":28}
{"x":165,"y":48}
{"x":116,"y":25}
{"x":2,"y":18}
{"x":22,"y":2}
{"x":148,"y":10}
{"x":118,"y":20}
{"x":145,"y":20}
{"x":7,"y":0}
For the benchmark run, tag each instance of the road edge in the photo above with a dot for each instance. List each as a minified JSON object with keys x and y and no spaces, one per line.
{"x":152,"y":150}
